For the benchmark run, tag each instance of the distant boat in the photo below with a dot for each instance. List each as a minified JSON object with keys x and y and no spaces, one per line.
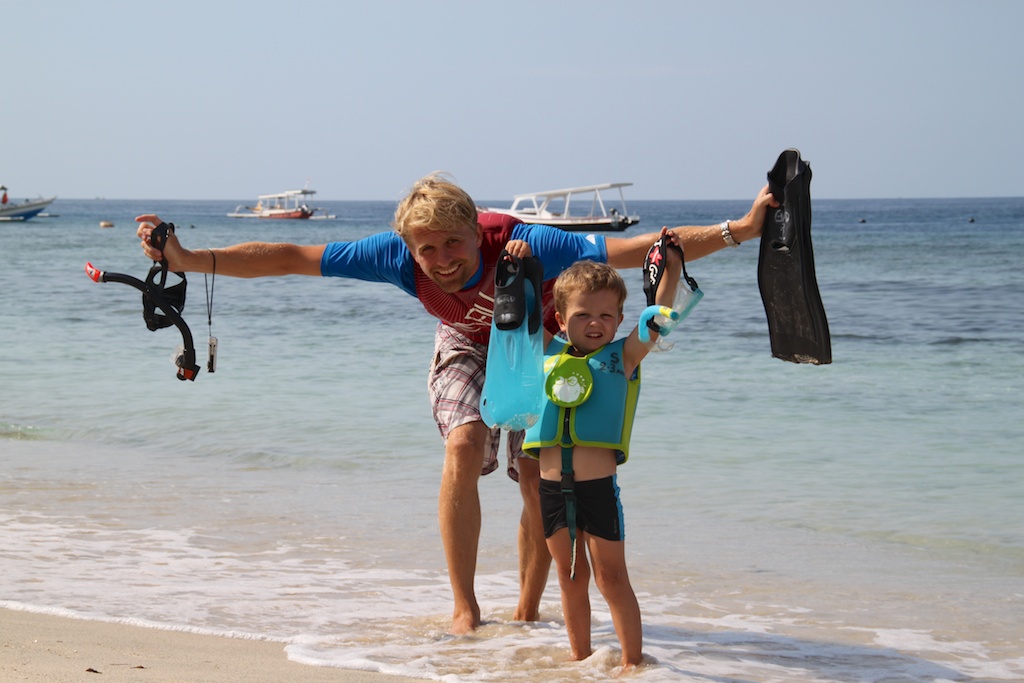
{"x":291,"y":205}
{"x":574,"y":208}
{"x":21,"y":211}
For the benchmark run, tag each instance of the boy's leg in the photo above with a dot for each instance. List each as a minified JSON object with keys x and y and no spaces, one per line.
{"x":575,"y":595}
{"x":534,"y":558}
{"x":612,"y":580}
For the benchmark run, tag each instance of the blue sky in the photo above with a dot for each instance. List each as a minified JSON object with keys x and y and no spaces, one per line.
{"x":688,"y":100}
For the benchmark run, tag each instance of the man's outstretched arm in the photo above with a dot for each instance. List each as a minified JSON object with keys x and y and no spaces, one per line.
{"x":698,"y":241}
{"x":249,"y":259}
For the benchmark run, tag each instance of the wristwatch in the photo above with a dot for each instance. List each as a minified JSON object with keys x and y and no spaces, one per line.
{"x":727,"y":234}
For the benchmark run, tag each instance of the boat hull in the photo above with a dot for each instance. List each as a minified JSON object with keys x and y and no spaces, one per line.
{"x":299,"y":214}
{"x":586,"y":224}
{"x":25,"y":210}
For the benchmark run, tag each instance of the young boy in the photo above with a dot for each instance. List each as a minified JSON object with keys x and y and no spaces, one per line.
{"x":592,"y":384}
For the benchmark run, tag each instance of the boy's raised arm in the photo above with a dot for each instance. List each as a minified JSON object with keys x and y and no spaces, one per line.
{"x":634,"y":349}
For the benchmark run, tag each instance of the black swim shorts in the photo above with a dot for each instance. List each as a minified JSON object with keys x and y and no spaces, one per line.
{"x":598,"y":508}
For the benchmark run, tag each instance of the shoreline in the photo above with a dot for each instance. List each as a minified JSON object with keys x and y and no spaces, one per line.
{"x":44,"y":648}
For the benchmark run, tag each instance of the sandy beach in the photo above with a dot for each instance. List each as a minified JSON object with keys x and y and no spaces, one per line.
{"x":40,"y":648}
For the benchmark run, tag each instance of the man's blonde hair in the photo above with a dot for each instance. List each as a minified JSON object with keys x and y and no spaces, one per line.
{"x":435,"y":203}
{"x":587,"y":277}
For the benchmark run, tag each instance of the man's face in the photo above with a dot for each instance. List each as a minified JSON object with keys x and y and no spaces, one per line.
{"x":448,"y":258}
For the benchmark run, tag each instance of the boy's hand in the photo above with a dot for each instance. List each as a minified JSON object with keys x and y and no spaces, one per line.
{"x":673,"y":262}
{"x":518,"y":248}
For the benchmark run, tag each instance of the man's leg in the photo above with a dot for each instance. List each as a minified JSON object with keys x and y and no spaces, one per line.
{"x":534,"y":558}
{"x":458,"y":512}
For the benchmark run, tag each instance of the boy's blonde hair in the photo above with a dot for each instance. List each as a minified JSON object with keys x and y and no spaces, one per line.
{"x":436,"y":203}
{"x":587,"y":277}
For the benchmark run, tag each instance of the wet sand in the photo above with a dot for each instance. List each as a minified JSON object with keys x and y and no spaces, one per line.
{"x":41,"y":648}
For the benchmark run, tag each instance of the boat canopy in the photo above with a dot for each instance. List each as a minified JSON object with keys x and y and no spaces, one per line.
{"x":288,"y":194}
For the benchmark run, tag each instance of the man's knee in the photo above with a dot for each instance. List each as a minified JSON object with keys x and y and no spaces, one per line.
{"x":464,"y":449}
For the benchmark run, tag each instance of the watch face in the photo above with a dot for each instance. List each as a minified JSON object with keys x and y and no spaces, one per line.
{"x":727,"y":235}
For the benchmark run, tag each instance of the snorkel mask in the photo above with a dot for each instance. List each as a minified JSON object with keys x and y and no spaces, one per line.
{"x":688,"y":294}
{"x":161,"y":303}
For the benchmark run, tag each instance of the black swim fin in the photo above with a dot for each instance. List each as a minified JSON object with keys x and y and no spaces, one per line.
{"x":785,"y":268}
{"x":517,"y":291}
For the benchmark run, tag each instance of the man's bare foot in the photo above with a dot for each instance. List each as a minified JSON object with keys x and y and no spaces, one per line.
{"x":464,"y":622}
{"x":628,"y":668}
{"x":526,"y":614}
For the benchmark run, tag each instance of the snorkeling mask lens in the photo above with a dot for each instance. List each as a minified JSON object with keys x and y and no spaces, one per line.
{"x":688,"y":295}
{"x":686,"y":300}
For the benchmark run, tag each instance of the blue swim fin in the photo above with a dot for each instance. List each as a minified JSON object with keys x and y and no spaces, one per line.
{"x":513,"y":391}
{"x":797,"y":324}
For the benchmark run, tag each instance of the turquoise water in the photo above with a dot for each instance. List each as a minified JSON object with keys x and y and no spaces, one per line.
{"x":861,"y":521}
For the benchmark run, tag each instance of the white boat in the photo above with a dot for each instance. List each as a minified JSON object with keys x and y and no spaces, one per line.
{"x":574,"y":208}
{"x":23,"y":210}
{"x":291,"y":204}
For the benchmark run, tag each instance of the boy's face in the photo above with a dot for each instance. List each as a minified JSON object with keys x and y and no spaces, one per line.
{"x":449,"y":258}
{"x":591,"y":319}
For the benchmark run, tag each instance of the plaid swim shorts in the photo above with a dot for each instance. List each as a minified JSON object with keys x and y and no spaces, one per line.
{"x":455,"y":385}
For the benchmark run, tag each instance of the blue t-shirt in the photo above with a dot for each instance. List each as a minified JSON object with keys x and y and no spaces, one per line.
{"x":384,"y":257}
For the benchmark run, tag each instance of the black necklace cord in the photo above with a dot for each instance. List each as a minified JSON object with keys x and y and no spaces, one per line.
{"x":209,"y":290}
{"x":211,"y":358}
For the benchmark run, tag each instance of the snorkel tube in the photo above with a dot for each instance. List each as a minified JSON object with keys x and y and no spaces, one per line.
{"x":649,"y":321}
{"x":157,"y":296}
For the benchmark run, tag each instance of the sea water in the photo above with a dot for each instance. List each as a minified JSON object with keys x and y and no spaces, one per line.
{"x":859,"y":521}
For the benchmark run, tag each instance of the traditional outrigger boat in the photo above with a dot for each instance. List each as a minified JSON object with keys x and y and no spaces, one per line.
{"x":290,"y":204}
{"x":574,"y":208}
{"x":24,"y":210}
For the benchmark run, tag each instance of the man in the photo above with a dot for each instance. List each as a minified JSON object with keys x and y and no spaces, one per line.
{"x":444,"y":253}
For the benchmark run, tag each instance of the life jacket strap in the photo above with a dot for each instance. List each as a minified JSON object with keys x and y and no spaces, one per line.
{"x":569,"y":493}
